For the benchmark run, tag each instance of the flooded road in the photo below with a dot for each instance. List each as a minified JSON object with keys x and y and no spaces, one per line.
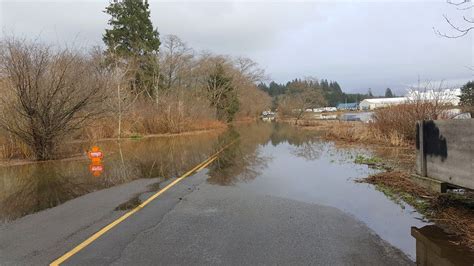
{"x":267,"y":160}
{"x":299,"y":166}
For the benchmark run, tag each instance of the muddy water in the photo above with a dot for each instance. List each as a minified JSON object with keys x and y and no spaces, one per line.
{"x":267,"y":158}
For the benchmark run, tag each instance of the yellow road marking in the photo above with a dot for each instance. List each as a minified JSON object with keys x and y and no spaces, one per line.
{"x":206,"y":164}
{"x":102,"y":231}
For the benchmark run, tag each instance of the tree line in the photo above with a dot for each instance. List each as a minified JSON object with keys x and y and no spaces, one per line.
{"x":330,"y":90}
{"x":138,"y":83}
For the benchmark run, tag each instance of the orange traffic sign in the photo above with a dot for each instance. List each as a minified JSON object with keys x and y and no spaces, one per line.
{"x":96,"y":155}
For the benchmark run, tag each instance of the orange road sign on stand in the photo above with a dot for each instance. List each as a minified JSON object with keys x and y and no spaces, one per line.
{"x":96,"y":155}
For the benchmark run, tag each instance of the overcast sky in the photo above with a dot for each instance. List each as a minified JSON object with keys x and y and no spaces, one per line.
{"x":360,"y":44}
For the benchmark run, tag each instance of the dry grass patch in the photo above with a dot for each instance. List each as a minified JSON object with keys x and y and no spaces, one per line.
{"x":361,"y":132}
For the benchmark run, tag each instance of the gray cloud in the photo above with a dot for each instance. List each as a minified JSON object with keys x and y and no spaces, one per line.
{"x":375,"y":44}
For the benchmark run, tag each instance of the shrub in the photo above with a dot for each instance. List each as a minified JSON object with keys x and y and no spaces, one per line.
{"x":49,"y":93}
{"x":400,"y":120}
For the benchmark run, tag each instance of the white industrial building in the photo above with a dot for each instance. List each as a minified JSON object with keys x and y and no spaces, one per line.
{"x":449,"y":96}
{"x":371,"y":104}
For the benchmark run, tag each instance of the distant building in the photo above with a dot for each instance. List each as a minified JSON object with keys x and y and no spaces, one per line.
{"x":450,"y":97}
{"x":324,"y":109}
{"x":347,"y":106}
{"x":371,"y":104}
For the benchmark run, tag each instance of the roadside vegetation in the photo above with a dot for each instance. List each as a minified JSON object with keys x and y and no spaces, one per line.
{"x":139,"y":84}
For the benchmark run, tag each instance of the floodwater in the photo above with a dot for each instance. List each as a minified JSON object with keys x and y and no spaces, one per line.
{"x":267,"y":158}
{"x":25,"y":189}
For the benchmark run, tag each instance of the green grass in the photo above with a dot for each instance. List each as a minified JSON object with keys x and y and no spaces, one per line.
{"x":399,"y":197}
{"x":361,"y":159}
{"x":136,"y":136}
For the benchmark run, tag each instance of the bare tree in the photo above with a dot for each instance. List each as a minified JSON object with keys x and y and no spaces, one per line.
{"x":461,"y":30}
{"x":50,"y":92}
{"x":299,"y":98}
{"x":175,"y":56}
{"x":249,"y":69}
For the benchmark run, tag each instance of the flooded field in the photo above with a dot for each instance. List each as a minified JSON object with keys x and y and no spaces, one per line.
{"x":266,"y":158}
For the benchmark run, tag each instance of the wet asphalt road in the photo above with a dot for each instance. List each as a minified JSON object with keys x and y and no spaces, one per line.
{"x":198,"y":223}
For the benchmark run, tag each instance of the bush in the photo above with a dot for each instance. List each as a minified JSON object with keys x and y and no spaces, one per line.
{"x":401,"y":119}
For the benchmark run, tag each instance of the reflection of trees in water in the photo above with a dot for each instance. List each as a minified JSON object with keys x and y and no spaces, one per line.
{"x":156,"y":157}
{"x":305,"y":143}
{"x":171,"y":157}
{"x":292,"y":135}
{"x":310,"y":150}
{"x":29,"y":188}
{"x":42,"y":186}
{"x":241,"y":161}
{"x":26,"y":189}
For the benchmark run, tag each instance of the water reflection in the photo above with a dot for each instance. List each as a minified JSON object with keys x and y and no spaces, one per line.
{"x":282,"y":133}
{"x":241,"y":161}
{"x":26,"y":189}
{"x":36,"y":187}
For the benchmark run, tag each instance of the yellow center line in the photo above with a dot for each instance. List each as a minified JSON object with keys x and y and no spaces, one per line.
{"x":102,"y":231}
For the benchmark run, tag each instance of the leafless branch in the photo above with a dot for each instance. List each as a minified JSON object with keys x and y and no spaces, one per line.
{"x":462,"y":32}
{"x":460,"y":5}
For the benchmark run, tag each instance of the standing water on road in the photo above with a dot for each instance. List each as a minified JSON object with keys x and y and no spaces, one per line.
{"x":280,"y":160}
{"x":266,"y":158}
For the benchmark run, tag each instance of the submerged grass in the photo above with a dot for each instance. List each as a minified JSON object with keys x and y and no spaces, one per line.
{"x":372,"y":162}
{"x":400,"y":198}
{"x":361,"y":159}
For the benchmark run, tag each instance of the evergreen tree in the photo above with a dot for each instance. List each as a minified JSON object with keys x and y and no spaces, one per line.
{"x":132,"y":33}
{"x":369,"y":93}
{"x":467,"y":96}
{"x":388,"y":93}
{"x":264,"y":87}
{"x":222,"y":94}
{"x":132,"y":38}
{"x":336,"y":87}
{"x":324,"y":85}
